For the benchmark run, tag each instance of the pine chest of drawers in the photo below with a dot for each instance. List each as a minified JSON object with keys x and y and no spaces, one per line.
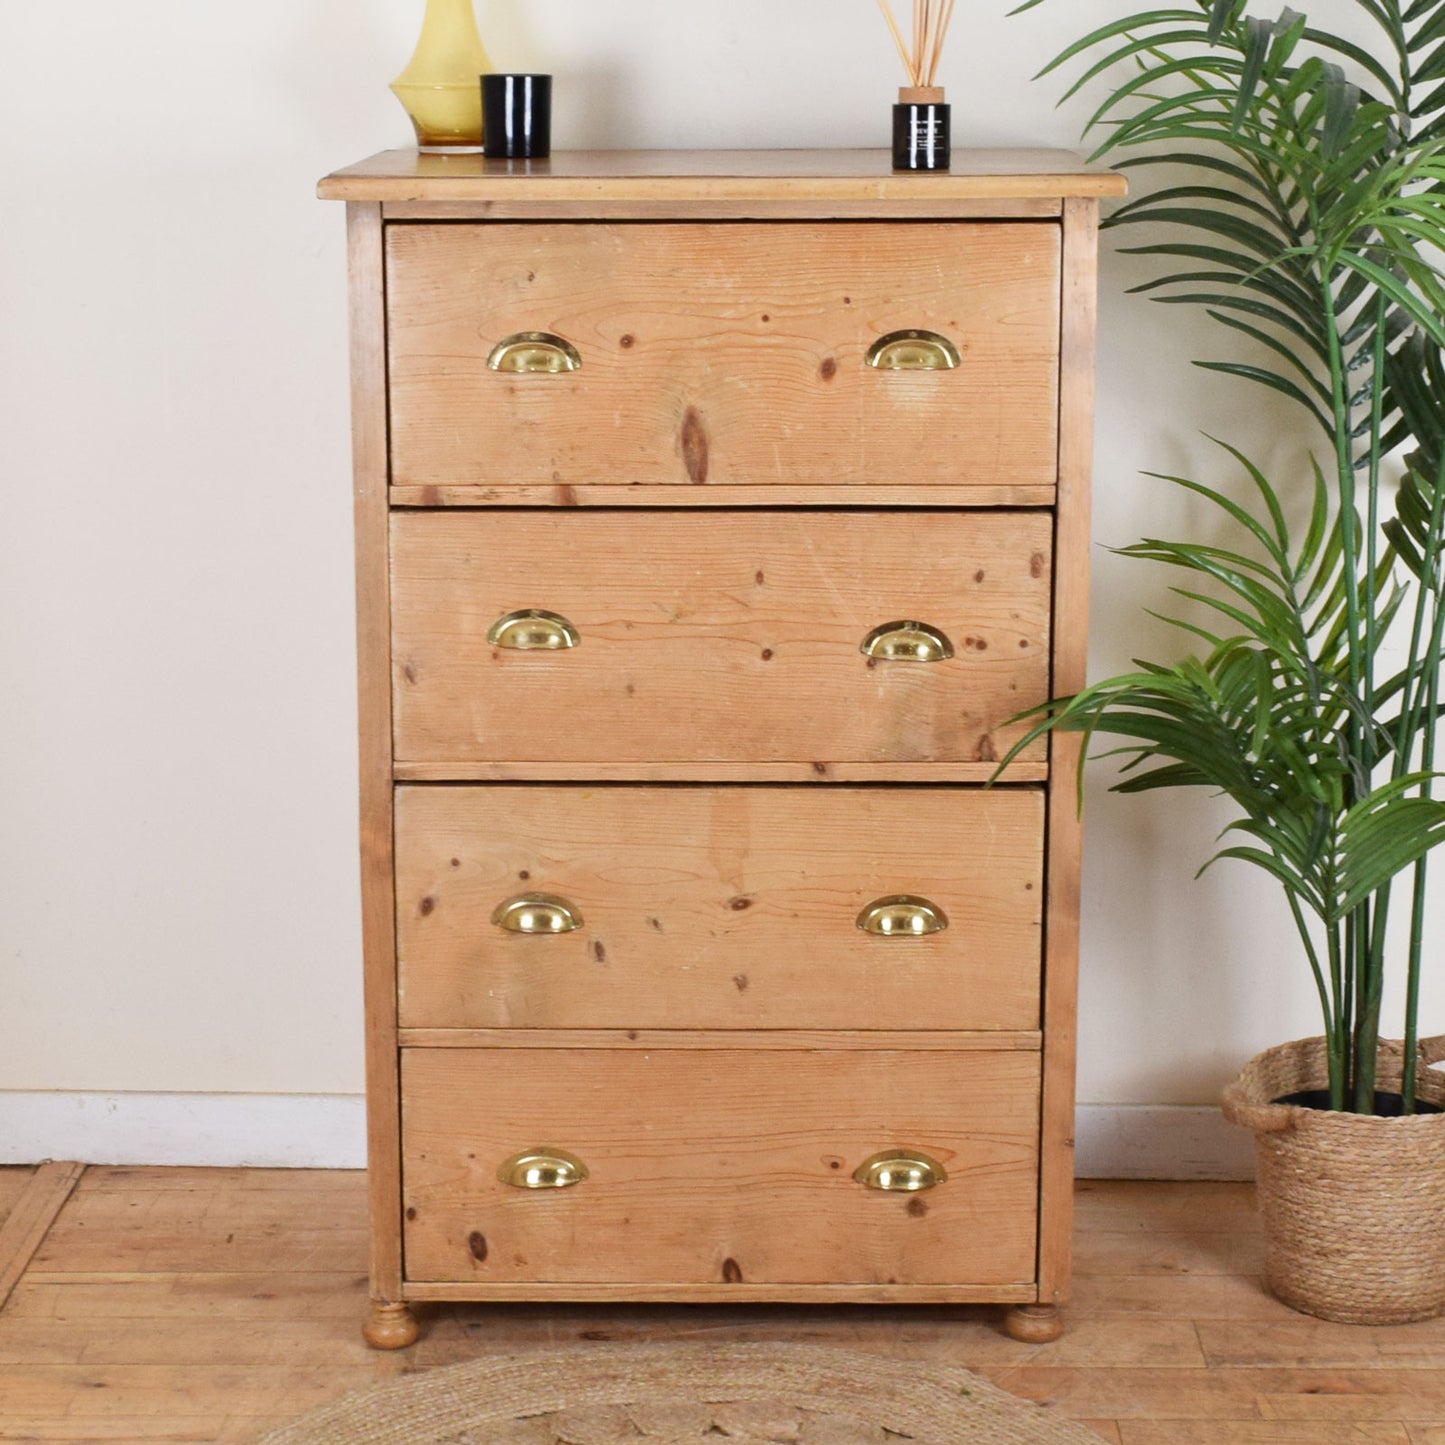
{"x":715,"y":515}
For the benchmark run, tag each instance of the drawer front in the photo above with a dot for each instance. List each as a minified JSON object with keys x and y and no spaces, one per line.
{"x":718,"y":908}
{"x":724,"y":354}
{"x":716,"y":636}
{"x":719,"y":1167}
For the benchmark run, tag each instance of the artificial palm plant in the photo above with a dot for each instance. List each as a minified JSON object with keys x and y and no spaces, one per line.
{"x":1304,"y":209}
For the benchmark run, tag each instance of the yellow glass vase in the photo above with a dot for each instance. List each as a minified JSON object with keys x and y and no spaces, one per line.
{"x":441,"y":88}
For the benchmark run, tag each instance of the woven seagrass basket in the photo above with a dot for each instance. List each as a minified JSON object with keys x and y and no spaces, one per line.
{"x":1353,"y":1206}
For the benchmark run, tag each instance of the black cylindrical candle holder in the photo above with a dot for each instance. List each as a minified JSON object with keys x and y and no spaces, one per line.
{"x":517,"y":116}
{"x":922,"y":126}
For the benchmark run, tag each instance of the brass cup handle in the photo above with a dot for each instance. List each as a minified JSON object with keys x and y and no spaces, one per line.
{"x":901,"y":1171}
{"x":907,"y":641}
{"x":902,"y":915}
{"x":533,"y":630}
{"x":537,"y":913}
{"x":534,"y":353}
{"x":913,"y":351}
{"x":542,"y":1169}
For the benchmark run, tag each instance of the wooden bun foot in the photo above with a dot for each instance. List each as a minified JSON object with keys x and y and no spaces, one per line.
{"x":389,"y":1327}
{"x":1034,"y":1324}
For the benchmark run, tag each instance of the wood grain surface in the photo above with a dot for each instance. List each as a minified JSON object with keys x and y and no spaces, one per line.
{"x":27,"y":1216}
{"x":719,"y":908}
{"x":717,"y":636}
{"x":374,"y":754}
{"x":781,"y":1040}
{"x":818,"y":772}
{"x":711,"y":1169}
{"x":13,"y":1180}
{"x":208,"y":1305}
{"x":521,"y":204}
{"x":840,"y":492}
{"x":724,"y":354}
{"x":746,"y":177}
{"x":1072,"y":539}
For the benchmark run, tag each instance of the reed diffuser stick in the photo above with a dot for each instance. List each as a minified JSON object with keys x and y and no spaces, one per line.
{"x":931,"y":21}
{"x":940,"y":37}
{"x":898,"y":40}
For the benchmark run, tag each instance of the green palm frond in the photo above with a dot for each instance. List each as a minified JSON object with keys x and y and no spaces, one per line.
{"x":1307,"y":127}
{"x":1304,"y":213}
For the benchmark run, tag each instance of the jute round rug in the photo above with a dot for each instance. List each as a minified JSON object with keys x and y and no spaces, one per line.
{"x":759,"y":1394}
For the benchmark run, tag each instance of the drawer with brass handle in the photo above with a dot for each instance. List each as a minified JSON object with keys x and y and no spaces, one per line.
{"x":727,"y":907}
{"x":920,"y":354}
{"x":717,"y":636}
{"x":679,"y":1166}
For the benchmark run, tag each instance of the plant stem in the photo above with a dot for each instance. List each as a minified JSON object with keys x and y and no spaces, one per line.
{"x":1432,"y":585}
{"x":1372,"y":522}
{"x":1326,"y":1003}
{"x":1367,"y":1028}
{"x":1340,"y":1081}
{"x":1345,"y":463}
{"x":1410,"y":1081}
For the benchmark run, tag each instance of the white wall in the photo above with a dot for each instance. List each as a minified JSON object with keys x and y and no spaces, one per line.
{"x":178,"y":903}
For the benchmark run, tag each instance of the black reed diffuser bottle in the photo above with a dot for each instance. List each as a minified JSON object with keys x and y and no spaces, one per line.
{"x":922,"y":127}
{"x":922,"y":122}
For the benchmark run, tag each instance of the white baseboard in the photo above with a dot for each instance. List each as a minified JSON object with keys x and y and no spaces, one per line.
{"x":328,"y":1131}
{"x":1148,"y":1141}
{"x":258,"y":1131}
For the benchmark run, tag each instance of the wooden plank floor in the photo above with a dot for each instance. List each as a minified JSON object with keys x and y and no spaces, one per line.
{"x":208,"y":1305}
{"x":13,"y":1179}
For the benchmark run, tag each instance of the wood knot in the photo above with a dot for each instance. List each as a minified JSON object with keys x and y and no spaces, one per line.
{"x":917,"y":1207}
{"x":427,"y":906}
{"x":477,"y":1245}
{"x":1036,"y":564}
{"x":740,"y":904}
{"x":732,"y":1272}
{"x":829,"y":369}
{"x":694,"y":446}
{"x":599,"y":951}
